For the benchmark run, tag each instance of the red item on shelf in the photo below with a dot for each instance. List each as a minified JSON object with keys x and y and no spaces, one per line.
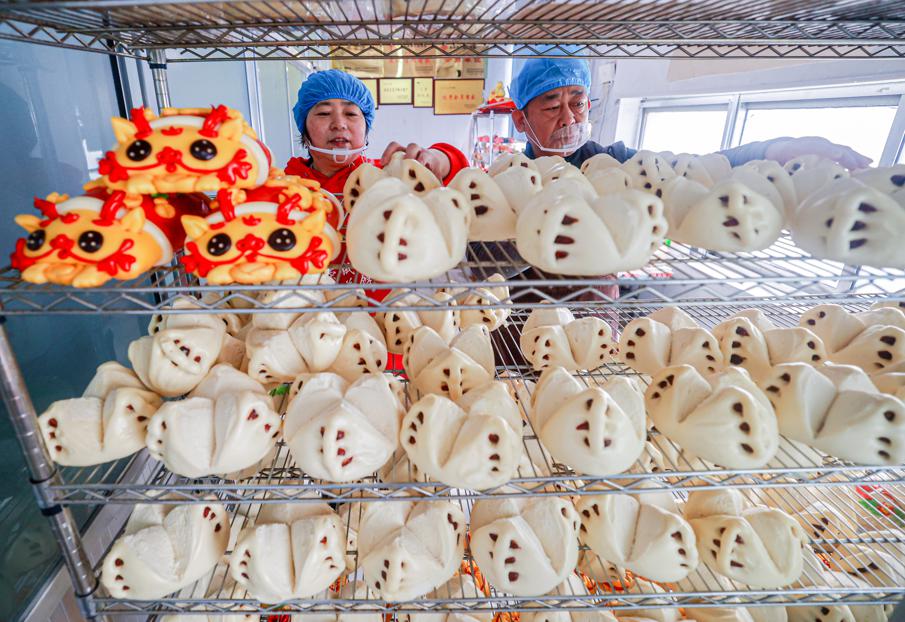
{"x":506,"y":105}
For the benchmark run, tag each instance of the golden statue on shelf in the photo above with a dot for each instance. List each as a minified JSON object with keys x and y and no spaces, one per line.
{"x":497,"y":94}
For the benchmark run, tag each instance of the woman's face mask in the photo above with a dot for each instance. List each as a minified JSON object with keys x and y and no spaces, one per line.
{"x":338,"y":155}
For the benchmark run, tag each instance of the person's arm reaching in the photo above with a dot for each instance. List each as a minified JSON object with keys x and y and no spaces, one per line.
{"x":457,"y":160}
{"x":784,"y":149}
{"x":620,"y":151}
{"x":748,"y":152}
{"x":442,"y":159}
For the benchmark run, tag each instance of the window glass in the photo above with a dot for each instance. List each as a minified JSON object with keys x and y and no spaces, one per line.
{"x":683,"y":131}
{"x":278,"y":126}
{"x":57,"y":106}
{"x":863,"y":128}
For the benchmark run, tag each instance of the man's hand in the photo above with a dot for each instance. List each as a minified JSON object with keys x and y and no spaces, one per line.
{"x":435,"y":160}
{"x":785,"y":149}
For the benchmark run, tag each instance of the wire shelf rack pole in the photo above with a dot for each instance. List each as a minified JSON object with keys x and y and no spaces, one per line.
{"x":157,"y":61}
{"x":43,"y":473}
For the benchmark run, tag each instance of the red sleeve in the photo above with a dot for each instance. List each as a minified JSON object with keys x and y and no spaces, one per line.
{"x":457,"y":159}
{"x":296,"y":166}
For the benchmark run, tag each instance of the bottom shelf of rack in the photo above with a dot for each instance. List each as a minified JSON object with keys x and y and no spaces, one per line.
{"x":632,"y":596}
{"x":625,"y":603}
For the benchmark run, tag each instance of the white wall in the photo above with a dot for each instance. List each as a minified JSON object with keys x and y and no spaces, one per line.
{"x":646,"y":78}
{"x":406,"y":124}
{"x":656,"y":78}
{"x":203,"y":84}
{"x":275,"y":96}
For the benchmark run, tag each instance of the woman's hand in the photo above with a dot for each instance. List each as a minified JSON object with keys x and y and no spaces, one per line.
{"x":434,"y":159}
{"x":784,"y":149}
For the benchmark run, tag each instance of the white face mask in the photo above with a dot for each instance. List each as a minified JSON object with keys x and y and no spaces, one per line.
{"x":564,"y":141}
{"x":340,"y":156}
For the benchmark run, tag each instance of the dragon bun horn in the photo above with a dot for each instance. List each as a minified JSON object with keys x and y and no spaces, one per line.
{"x":226,"y":206}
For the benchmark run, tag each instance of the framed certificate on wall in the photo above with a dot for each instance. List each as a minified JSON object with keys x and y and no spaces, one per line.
{"x":457,"y":96}
{"x":395,"y":91}
{"x":424,"y":92}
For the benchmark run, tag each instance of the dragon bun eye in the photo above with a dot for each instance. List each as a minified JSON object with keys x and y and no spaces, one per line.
{"x":282,"y":240}
{"x":219,"y":245}
{"x":91,"y":241}
{"x":203,"y":150}
{"x":35,"y":240}
{"x":138,"y":150}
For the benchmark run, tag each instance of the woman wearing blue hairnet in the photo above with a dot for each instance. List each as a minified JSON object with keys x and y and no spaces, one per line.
{"x":552,"y":104}
{"x":334,"y":113}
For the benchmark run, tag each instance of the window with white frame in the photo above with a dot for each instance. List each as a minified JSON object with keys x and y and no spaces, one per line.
{"x":868,"y":118}
{"x":691,"y":129}
{"x":862,"y":125}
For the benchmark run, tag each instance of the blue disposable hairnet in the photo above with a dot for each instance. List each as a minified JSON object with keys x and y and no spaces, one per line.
{"x":332,"y":84}
{"x":539,"y":75}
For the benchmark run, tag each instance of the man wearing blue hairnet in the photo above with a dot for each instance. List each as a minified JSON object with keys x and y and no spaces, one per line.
{"x":551,"y":97}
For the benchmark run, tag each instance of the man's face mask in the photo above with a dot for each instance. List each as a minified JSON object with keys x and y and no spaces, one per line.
{"x":564,"y":141}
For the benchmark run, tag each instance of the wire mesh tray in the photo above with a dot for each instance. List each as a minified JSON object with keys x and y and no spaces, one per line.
{"x":703,"y":588}
{"x":286,"y":482}
{"x":794,"y":464}
{"x":677,"y":273}
{"x":455,"y":28}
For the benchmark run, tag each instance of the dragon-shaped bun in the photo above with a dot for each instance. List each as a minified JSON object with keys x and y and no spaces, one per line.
{"x":280,"y":187}
{"x":85,"y":241}
{"x":258,"y":242}
{"x":184,"y":150}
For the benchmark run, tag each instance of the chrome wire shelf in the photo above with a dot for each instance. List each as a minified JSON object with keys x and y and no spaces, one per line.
{"x":703,"y":588}
{"x":246,"y":30}
{"x":285,"y":482}
{"x":676,"y":274}
{"x":281,"y":479}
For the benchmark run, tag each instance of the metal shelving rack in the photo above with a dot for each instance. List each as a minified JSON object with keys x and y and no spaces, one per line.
{"x":781,"y":280}
{"x":373,"y":28}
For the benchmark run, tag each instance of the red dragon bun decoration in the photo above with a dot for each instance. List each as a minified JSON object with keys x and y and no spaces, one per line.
{"x":85,"y":241}
{"x":258,"y":241}
{"x":184,"y":150}
{"x":151,"y":201}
